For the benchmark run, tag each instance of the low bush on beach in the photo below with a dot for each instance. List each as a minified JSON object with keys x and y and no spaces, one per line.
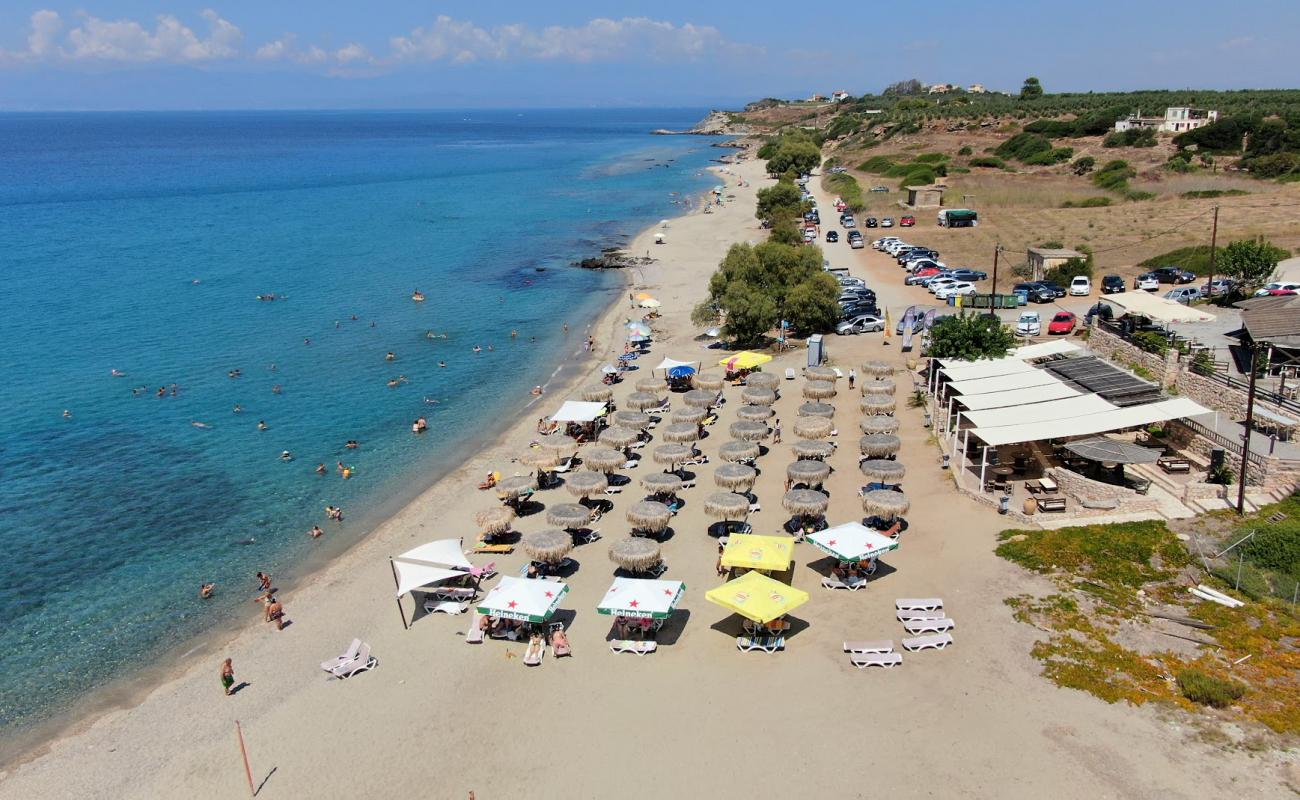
{"x":1208,"y":690}
{"x":1123,"y":554}
{"x":877,"y":165}
{"x":1100,"y":201}
{"x":988,"y":161}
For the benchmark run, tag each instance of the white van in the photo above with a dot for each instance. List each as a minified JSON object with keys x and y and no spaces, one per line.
{"x":1080,"y":286}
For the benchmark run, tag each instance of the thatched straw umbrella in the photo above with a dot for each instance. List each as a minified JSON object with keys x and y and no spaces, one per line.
{"x":585,"y":484}
{"x":812,"y":473}
{"x":699,"y":398}
{"x":879,"y":369}
{"x":619,"y":437}
{"x":821,"y":374}
{"x":875,"y":404}
{"x":807,"y":448}
{"x":681,"y":432}
{"x":561,"y":447}
{"x":813,"y":427}
{"x":635,"y":554}
{"x":548,"y":546}
{"x":876,"y":445}
{"x":708,"y":381}
{"x":755,"y":396}
{"x":651,"y":385}
{"x":661,"y":483}
{"x":878,"y":424}
{"x":537,"y":458}
{"x":805,"y":502}
{"x":885,"y":503}
{"x":818,"y":390}
{"x":670,"y":455}
{"x":603,"y":459}
{"x":883,"y":469}
{"x":516,"y":485}
{"x":762,"y":380}
{"x":495,"y":520}
{"x":817,"y":410}
{"x":692,"y":415}
{"x":636,"y":420}
{"x":649,"y":516}
{"x":749,"y":431}
{"x":727,"y":506}
{"x":570,"y":516}
{"x":754,"y":413}
{"x":737,"y":450}
{"x":597,"y":394}
{"x":640,"y":401}
{"x":879,"y":388}
{"x":735,"y":476}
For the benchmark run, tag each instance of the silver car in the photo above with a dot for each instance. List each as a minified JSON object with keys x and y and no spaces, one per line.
{"x":866,"y":323}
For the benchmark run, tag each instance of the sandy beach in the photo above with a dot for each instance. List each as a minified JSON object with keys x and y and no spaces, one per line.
{"x":438,"y":718}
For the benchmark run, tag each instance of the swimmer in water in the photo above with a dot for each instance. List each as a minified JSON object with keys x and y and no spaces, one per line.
{"x":67,"y":414}
{"x":117,"y":373}
{"x":491,"y":348}
{"x":205,"y":590}
{"x":390,"y":357}
{"x":477,"y":349}
{"x":352,"y":444}
{"x":306,"y":341}
{"x":261,"y":424}
{"x":442,"y":364}
{"x":315,"y":532}
{"x":286,"y":456}
{"x":514,"y":334}
{"x":198,"y":424}
{"x":320,"y":468}
{"x":429,"y":401}
{"x":276,"y":388}
{"x":537,"y":391}
{"x":238,"y":409}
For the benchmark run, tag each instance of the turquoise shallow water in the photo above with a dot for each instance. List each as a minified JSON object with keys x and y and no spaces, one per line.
{"x":139,"y":242}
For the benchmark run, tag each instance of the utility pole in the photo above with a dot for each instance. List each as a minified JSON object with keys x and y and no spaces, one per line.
{"x":1214,"y":237}
{"x":996,"y":249}
{"x":1250,"y":418}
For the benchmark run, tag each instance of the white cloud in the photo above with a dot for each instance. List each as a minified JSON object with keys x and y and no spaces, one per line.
{"x":627,"y":39}
{"x":286,"y":49}
{"x":95,"y":39}
{"x":351,"y":54}
{"x":1237,"y":42}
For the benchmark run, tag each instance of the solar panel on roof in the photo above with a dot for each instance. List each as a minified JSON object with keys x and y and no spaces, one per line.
{"x":1091,"y":374}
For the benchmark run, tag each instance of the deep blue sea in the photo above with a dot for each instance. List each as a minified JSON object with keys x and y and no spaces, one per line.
{"x":140,"y":243}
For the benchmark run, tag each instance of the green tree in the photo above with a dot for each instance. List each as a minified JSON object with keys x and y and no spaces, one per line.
{"x":1250,"y":262}
{"x":970,"y":337}
{"x":754,"y":287}
{"x":800,"y":156}
{"x":784,"y":231}
{"x":1032,"y":88}
{"x":778,"y":202}
{"x":811,"y":305}
{"x":1083,"y":166}
{"x":749,"y":312}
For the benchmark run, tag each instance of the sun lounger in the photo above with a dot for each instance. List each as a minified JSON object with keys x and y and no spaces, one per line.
{"x":590,"y":536}
{"x":631,"y":646}
{"x":885,"y":660}
{"x":559,"y":640}
{"x":445,"y":606}
{"x":904,"y":616}
{"x":535,"y":652}
{"x":936,"y":641}
{"x":869,"y":647}
{"x":360,"y":662}
{"x":768,"y":644}
{"x":832,"y":582}
{"x":789,"y":373}
{"x":348,"y":656}
{"x":502,"y":549}
{"x":565,"y":467}
{"x":919,"y":604}
{"x":929,"y":625}
{"x":474,"y":635}
{"x":452,"y":593}
{"x":614,"y":489}
{"x":1049,"y":504}
{"x":688,"y":484}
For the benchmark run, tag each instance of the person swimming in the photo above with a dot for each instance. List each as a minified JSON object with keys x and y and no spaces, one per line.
{"x":417,"y":296}
{"x":117,"y":373}
{"x":320,"y":468}
{"x":477,"y":349}
{"x":261,"y":425}
{"x":238,"y":409}
{"x":442,"y":364}
{"x":67,"y":413}
{"x":198,"y":424}
{"x":390,"y":356}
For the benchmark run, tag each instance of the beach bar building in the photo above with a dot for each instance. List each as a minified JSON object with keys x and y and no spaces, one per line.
{"x":930,"y":196}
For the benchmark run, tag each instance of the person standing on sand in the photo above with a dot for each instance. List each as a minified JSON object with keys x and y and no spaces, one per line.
{"x":227,"y":676}
{"x":275,"y":613}
{"x":853,"y":375}
{"x":776,"y":432}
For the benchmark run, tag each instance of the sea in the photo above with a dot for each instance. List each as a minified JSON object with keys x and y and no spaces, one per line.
{"x":149,"y":394}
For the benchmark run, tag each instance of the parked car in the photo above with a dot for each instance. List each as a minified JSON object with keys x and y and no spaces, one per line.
{"x":1080,"y":286}
{"x":1057,"y":289}
{"x":1184,"y":294}
{"x":1147,"y":281}
{"x":938,"y":283}
{"x":1112,"y":284}
{"x":856,"y":243}
{"x":898,"y":328}
{"x":1035,"y":292}
{"x":1173,"y":275}
{"x":1278,"y":287}
{"x":954,"y":289}
{"x":832,"y":237}
{"x":923,"y":263}
{"x":1029,"y":324}
{"x":1062,"y":323}
{"x":879,"y":188}
{"x":849,"y":281}
{"x":887,"y":222}
{"x":921,"y":276}
{"x":866,"y":323}
{"x":870,"y":222}
{"x":1217,"y":286}
{"x":964,"y":274}
{"x":849,"y":222}
{"x":884,"y":241}
{"x":858,"y":309}
{"x":895,"y":247}
{"x":906,"y":221}
{"x":916,"y":252}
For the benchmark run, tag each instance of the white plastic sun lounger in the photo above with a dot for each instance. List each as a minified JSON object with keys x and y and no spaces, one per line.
{"x":885,"y":660}
{"x":632,"y":646}
{"x":905,"y":616}
{"x":924,"y":604}
{"x":929,"y":625}
{"x":867,"y":648}
{"x":831,"y":582}
{"x":533,"y":656}
{"x":348,"y":656}
{"x":360,"y":663}
{"x":937,"y":641}
{"x":444,"y":606}
{"x":474,"y":635}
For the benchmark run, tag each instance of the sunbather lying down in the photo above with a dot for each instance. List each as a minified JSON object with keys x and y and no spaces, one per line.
{"x":535,"y":647}
{"x":560,"y":642}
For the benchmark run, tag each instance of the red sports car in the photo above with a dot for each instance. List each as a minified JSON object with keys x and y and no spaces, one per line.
{"x":907,"y":221}
{"x":1062,"y":323}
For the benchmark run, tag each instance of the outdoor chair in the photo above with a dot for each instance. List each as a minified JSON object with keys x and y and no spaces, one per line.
{"x":904,"y":616}
{"x":444,"y":606}
{"x":928,"y":625}
{"x":360,"y":662}
{"x":502,"y":549}
{"x":1051,"y":504}
{"x":886,"y":660}
{"x":937,"y":641}
{"x":832,"y":582}
{"x":1174,"y":464}
{"x":348,"y":656}
{"x":862,"y":648}
{"x":919,"y":604}
{"x":632,"y":646}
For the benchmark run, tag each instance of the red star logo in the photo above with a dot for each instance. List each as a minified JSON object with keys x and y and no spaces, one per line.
{"x":511,"y":604}
{"x":634,"y":603}
{"x":668,"y":592}
{"x":831,"y":543}
{"x":549,"y":594}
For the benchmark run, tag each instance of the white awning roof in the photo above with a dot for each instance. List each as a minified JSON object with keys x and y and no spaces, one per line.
{"x":1003,"y":383}
{"x":669,"y":363}
{"x":1161,"y":309}
{"x":1051,"y":347}
{"x":1120,"y":418}
{"x":1062,"y":409}
{"x":1016,"y":397}
{"x":577,"y":411}
{"x":986,"y":369}
{"x":413,"y":576}
{"x":440,"y":553}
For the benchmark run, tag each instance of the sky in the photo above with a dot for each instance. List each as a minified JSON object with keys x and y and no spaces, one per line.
{"x":244,"y":54}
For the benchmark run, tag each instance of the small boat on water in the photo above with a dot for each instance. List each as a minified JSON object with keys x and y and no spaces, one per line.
{"x":417,"y":296}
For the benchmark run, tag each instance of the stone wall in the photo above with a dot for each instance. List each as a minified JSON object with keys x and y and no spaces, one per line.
{"x":1081,"y":489}
{"x":1163,"y":369}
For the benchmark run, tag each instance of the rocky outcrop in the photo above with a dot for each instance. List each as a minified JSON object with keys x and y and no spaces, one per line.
{"x":717,"y":123}
{"x":612,"y":258}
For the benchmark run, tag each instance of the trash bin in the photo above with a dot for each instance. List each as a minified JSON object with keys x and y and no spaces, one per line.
{"x":1004,"y":504}
{"x":946,"y":458}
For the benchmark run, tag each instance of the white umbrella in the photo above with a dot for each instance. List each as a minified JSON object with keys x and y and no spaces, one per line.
{"x":641,"y":598}
{"x":525,"y":599}
{"x":852,"y":541}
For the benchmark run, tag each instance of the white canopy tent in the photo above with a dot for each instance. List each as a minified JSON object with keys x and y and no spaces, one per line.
{"x":1161,"y":309}
{"x":669,"y":363}
{"x":1016,"y":397}
{"x":987,"y":369}
{"x":430,"y":563}
{"x":1003,"y":383}
{"x":1083,"y":425}
{"x":1051,"y":411}
{"x":443,"y":552}
{"x":641,"y":598}
{"x":411,"y":577}
{"x":578,"y":411}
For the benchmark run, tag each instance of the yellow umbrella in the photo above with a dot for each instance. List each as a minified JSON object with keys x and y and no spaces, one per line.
{"x":747,"y":550}
{"x":645,"y":296}
{"x":757,"y":597}
{"x":744,"y":360}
